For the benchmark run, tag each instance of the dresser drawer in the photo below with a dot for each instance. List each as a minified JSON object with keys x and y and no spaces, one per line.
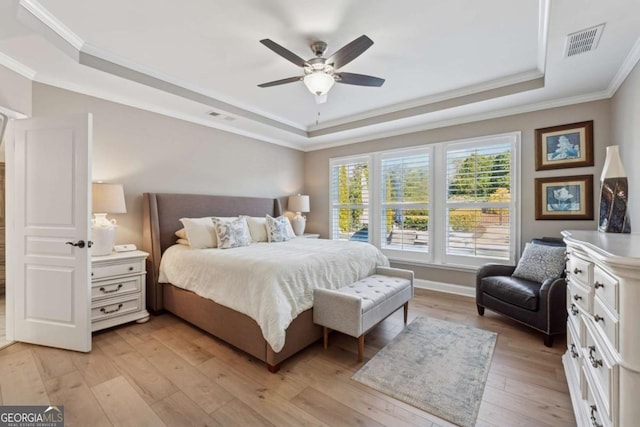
{"x":606,"y":287}
{"x":108,"y":308}
{"x":594,"y":412}
{"x":602,"y":370}
{"x":573,"y":312}
{"x":580,"y":270}
{"x":579,"y":295}
{"x":115,"y":287}
{"x":606,"y":321}
{"x":575,"y":356}
{"x":117,"y":269}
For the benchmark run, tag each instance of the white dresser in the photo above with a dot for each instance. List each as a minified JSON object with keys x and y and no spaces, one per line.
{"x":118,"y":289}
{"x":602,"y":362}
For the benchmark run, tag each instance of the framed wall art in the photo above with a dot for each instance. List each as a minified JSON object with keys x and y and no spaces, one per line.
{"x":565,"y":146}
{"x":564,"y":197}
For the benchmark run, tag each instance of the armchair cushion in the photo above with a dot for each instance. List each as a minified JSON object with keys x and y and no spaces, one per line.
{"x":519,"y":292}
{"x":540,"y":262}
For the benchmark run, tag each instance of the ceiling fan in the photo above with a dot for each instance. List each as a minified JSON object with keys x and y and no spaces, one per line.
{"x":319,"y":72}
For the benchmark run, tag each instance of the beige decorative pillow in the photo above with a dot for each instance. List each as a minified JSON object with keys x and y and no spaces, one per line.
{"x":540,"y":262}
{"x":257,"y":228}
{"x":184,"y":242}
{"x":200,"y":232}
{"x":181,"y":234}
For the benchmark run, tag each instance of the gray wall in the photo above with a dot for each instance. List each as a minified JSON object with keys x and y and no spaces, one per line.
{"x":148,"y":152}
{"x":625,"y":113}
{"x":316,"y":178}
{"x":15,"y":91}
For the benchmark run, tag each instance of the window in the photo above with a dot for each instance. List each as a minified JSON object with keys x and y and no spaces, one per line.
{"x":404,"y":201}
{"x":350,"y":199}
{"x":452,"y":203}
{"x":478,"y":200}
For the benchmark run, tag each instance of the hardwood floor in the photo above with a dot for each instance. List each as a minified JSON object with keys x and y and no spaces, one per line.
{"x":166,"y":372}
{"x":3,"y":338}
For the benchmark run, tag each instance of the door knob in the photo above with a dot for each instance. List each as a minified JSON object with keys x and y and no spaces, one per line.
{"x":79,"y":243}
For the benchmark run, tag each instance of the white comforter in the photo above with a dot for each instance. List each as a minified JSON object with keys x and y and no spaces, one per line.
{"x":270,"y":282}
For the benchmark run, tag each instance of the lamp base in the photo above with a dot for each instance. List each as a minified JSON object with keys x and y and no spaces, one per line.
{"x":298,"y":224}
{"x":103,"y":235}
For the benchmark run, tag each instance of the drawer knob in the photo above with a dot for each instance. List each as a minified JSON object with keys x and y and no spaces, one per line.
{"x":598,"y":318}
{"x":594,"y":421}
{"x":574,"y":309}
{"x":130,"y":268}
{"x":573,"y":351}
{"x":594,"y":362}
{"x":109,"y":291}
{"x":598,"y":285}
{"x":577,"y":271}
{"x":577,"y":297}
{"x":105,"y":311}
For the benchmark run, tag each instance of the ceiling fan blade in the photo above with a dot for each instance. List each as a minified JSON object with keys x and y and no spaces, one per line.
{"x":281,"y":81}
{"x":350,"y":51}
{"x":358,"y":79}
{"x":285,"y":53}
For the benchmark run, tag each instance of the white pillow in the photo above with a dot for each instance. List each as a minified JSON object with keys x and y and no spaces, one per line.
{"x":200,"y":232}
{"x":278,"y":229}
{"x":540,"y":262}
{"x":290,"y":228}
{"x":257,"y":228}
{"x":232,"y":234}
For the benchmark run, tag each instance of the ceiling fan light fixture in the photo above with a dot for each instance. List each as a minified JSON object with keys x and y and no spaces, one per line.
{"x":319,"y":83}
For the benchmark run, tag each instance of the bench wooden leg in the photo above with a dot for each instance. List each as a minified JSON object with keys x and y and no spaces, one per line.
{"x":325,"y":336}
{"x":360,"y":347}
{"x":406,"y":311}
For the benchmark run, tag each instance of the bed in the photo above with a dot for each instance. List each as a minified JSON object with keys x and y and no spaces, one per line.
{"x":161,"y":213}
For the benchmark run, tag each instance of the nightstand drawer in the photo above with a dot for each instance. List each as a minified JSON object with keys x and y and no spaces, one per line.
{"x":107,"y":308}
{"x":115,"y":287}
{"x":117,"y":269}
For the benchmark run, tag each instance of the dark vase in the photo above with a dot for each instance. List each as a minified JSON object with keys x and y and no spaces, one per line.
{"x":614,"y":196}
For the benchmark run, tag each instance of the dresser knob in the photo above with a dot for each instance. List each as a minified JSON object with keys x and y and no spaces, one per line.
{"x":130,"y":268}
{"x":573,"y":351}
{"x":598,"y":285}
{"x":574,"y":309}
{"x":577,"y":271}
{"x":598,"y":318}
{"x":594,"y":362}
{"x":577,"y":297}
{"x":594,"y":422}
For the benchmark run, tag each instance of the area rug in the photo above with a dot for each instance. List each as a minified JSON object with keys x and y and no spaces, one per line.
{"x":438,"y":366}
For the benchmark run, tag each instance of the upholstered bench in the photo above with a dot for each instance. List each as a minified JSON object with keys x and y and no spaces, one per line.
{"x":358,"y":307}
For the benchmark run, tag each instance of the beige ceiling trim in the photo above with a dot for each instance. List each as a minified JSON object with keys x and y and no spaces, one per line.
{"x":16,"y":66}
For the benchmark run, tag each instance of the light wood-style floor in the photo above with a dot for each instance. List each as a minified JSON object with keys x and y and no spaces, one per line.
{"x":166,"y":372}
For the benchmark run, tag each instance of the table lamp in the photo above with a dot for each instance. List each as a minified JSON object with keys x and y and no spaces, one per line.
{"x":106,"y":199}
{"x":298,"y":204}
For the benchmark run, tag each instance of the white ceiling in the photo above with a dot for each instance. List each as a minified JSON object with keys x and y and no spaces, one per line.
{"x":444,"y":62}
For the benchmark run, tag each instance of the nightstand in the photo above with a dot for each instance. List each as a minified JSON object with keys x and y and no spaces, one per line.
{"x":118,"y":289}
{"x":310,"y":236}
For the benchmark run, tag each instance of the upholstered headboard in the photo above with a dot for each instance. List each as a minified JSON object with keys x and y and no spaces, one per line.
{"x":161,"y":219}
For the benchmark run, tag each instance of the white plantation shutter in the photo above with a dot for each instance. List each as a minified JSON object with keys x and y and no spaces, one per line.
{"x":404,"y":201}
{"x":451,"y":203}
{"x":479,"y":200}
{"x":350,"y":199}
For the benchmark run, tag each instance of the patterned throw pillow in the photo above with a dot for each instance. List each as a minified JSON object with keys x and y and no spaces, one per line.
{"x":540,"y":262}
{"x":278,"y":229}
{"x":232,"y":234}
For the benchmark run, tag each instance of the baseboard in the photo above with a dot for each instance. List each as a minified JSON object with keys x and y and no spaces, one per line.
{"x":448,"y":288}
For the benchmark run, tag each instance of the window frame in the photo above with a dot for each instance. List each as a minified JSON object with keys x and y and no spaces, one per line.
{"x":366,"y":158}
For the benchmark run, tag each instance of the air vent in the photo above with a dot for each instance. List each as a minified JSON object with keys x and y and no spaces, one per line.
{"x":220,"y":116}
{"x":583,"y":41}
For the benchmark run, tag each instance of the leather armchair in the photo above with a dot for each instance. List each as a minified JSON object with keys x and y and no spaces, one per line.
{"x":541,"y":306}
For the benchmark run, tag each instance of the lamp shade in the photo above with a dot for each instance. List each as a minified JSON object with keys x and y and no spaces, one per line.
{"x":108,"y":198}
{"x":298,"y":203}
{"x":319,"y":82}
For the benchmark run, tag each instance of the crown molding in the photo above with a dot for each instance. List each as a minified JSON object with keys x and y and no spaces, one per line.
{"x":625,"y":69}
{"x":44,"y":16}
{"x":17,"y":67}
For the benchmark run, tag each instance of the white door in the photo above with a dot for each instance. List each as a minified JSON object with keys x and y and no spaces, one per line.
{"x":48,"y":227}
